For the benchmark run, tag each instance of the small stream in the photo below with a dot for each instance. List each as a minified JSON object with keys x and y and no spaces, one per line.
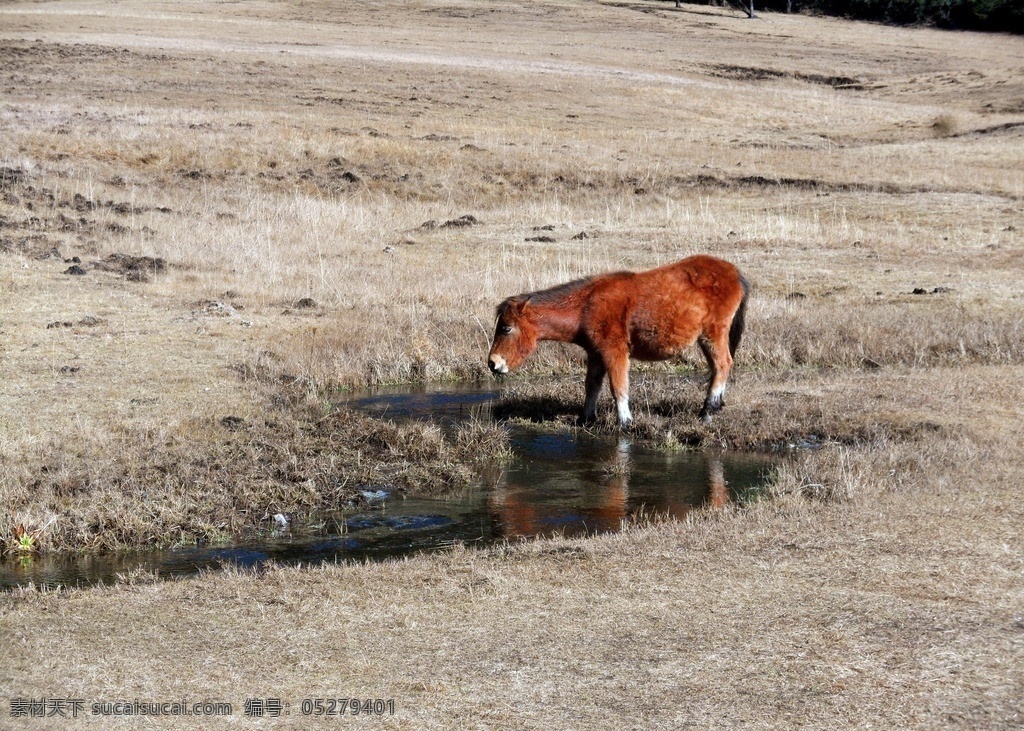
{"x":557,"y":483}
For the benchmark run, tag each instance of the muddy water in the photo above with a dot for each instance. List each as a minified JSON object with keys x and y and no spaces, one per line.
{"x":557,"y":483}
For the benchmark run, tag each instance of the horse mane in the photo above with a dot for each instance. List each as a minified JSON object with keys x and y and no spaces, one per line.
{"x":559,"y":293}
{"x":554,"y":294}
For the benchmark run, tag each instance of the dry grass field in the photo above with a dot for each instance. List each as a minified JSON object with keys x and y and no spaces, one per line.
{"x":272,"y":201}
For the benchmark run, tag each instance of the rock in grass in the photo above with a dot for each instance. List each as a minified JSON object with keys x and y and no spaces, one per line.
{"x":373,"y":497}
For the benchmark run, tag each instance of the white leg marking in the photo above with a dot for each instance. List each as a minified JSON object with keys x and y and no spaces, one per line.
{"x":625,"y":417}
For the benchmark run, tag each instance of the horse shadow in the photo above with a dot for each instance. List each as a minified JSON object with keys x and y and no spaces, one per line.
{"x":536,"y":409}
{"x":545,"y":409}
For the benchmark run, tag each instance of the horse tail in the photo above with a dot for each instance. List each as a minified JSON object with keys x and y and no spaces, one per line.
{"x":736,"y":329}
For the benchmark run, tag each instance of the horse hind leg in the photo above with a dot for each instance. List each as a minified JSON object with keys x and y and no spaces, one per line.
{"x":716,"y":351}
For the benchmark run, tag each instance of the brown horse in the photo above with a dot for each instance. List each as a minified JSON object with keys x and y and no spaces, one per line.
{"x":650,"y":315}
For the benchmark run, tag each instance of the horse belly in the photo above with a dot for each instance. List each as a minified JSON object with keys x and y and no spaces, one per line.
{"x":662,"y":329}
{"x":661,"y":343}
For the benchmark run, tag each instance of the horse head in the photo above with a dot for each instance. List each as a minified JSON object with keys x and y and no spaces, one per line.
{"x":515,"y":335}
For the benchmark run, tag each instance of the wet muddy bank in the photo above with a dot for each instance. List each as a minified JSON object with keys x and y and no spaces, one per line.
{"x":766,"y":410}
{"x":211,"y":480}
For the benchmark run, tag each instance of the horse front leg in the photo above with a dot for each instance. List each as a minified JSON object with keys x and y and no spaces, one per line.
{"x":596,"y":372}
{"x":618,"y":377}
{"x":716,"y":351}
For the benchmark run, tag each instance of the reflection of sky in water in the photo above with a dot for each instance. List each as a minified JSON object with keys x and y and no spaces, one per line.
{"x":544,"y":446}
{"x":397,"y":522}
{"x":557,"y":483}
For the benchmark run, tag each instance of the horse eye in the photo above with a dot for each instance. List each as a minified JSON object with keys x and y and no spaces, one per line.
{"x":506,"y":329}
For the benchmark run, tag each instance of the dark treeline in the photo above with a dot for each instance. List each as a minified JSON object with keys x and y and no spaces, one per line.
{"x":1006,"y":16}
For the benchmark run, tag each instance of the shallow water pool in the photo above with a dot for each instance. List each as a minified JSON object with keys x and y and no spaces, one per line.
{"x":558,"y":482}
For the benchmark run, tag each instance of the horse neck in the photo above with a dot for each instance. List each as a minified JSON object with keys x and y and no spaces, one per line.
{"x":558,"y":321}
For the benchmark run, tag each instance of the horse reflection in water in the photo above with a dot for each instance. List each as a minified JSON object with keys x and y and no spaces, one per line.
{"x":523,"y":510}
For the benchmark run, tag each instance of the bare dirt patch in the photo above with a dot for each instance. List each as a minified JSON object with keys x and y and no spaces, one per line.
{"x":749,"y":73}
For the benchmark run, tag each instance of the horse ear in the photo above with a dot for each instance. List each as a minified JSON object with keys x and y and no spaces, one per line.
{"x":521,"y":306}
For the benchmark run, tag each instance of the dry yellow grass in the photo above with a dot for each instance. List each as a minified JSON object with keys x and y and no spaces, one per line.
{"x":270,"y":152}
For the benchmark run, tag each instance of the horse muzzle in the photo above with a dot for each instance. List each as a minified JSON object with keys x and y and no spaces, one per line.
{"x":497,"y":364}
